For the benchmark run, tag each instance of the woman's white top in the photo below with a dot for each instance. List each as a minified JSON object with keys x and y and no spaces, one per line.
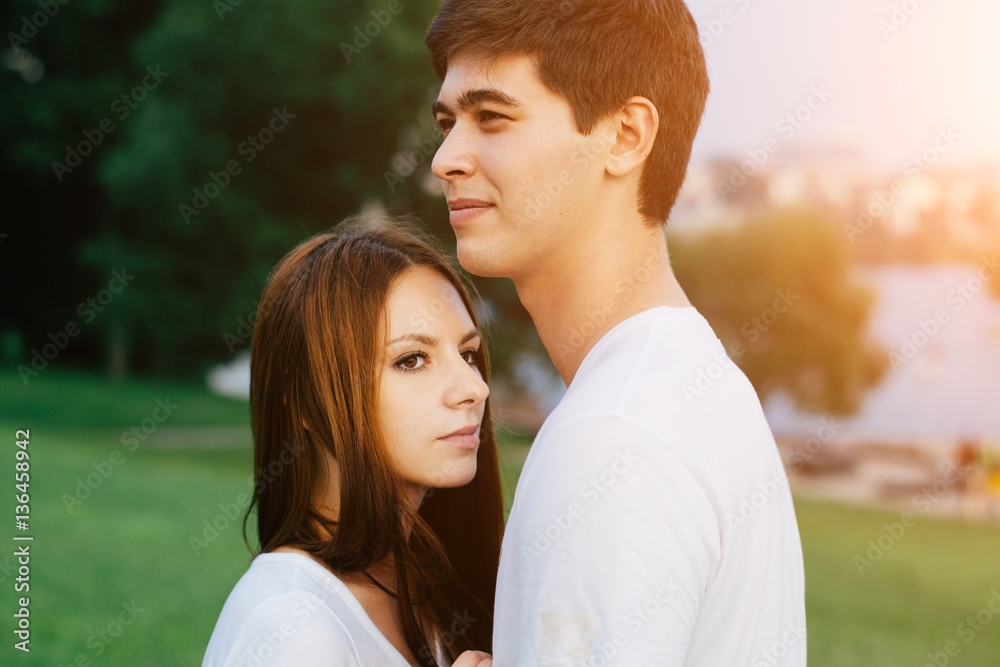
{"x":287,"y":610}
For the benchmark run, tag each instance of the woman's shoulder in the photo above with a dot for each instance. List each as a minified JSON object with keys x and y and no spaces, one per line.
{"x":289,"y":610}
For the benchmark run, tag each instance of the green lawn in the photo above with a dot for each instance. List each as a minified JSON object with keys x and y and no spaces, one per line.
{"x":128,"y":542}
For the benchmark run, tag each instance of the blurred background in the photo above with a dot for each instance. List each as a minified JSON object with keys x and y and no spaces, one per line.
{"x":840,"y":229}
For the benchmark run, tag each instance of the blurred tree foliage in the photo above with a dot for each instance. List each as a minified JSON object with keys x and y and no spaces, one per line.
{"x":781,"y":295}
{"x":59,"y":72}
{"x":232,"y":131}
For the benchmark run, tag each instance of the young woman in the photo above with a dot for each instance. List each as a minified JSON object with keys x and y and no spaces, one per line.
{"x":377,"y":492}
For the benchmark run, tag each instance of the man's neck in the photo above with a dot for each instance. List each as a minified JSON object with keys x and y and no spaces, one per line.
{"x":592,"y":287}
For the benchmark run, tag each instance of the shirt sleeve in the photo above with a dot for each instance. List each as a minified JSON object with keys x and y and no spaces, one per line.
{"x":295,"y":629}
{"x":617,"y":541}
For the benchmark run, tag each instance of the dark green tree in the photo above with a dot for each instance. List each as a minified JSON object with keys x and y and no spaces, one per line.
{"x":62,"y":67}
{"x":780,"y":293}
{"x":273,"y":122}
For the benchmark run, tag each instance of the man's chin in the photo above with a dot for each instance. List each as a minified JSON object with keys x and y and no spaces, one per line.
{"x":478,"y":261}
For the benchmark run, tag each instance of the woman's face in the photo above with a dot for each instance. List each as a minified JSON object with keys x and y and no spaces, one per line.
{"x":431,"y":387}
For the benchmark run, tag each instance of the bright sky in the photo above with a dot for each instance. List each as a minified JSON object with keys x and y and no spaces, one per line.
{"x":890,"y":93}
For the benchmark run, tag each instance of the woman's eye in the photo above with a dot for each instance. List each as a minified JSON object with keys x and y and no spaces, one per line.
{"x":412,"y":362}
{"x":471,"y":356}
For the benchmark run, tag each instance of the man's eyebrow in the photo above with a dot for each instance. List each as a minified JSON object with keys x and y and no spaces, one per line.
{"x":430,"y":341}
{"x":472,"y":98}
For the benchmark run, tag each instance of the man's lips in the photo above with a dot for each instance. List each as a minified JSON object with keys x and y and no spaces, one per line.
{"x":463,"y":210}
{"x":466,"y":203}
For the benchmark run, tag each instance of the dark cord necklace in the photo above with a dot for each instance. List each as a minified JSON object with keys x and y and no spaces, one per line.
{"x":376,"y":582}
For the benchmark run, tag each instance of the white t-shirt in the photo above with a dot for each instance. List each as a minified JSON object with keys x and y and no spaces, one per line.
{"x":652,"y":523}
{"x":287,"y":610}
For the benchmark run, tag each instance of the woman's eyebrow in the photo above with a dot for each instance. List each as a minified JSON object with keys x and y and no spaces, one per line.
{"x":430,"y":341}
{"x":470,"y":98}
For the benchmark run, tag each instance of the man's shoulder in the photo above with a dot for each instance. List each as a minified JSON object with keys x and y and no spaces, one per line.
{"x":656,"y":351}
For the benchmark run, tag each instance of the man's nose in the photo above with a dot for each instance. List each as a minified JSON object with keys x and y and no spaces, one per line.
{"x":454,"y":157}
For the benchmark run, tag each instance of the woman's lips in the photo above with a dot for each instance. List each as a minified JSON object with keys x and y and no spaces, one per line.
{"x":470,"y":441}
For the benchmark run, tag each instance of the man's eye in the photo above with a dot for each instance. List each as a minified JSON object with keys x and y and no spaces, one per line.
{"x":446,"y":123}
{"x":486,"y":116}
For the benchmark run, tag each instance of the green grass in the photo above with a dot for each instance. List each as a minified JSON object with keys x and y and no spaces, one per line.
{"x":129,"y":540}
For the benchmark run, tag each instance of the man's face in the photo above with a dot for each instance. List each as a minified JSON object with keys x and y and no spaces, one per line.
{"x":521,"y":181}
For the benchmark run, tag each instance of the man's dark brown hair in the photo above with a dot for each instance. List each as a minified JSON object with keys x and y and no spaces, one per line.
{"x":597,"y":54}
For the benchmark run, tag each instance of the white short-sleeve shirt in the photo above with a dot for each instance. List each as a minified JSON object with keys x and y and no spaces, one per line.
{"x":652,"y":522}
{"x":289,"y":611}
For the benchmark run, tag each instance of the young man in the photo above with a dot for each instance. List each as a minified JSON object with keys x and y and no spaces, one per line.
{"x":652,"y":524}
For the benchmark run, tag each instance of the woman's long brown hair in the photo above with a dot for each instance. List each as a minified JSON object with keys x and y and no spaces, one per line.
{"x":314,"y":377}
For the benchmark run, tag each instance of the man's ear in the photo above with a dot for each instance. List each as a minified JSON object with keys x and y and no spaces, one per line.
{"x":635,"y":127}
